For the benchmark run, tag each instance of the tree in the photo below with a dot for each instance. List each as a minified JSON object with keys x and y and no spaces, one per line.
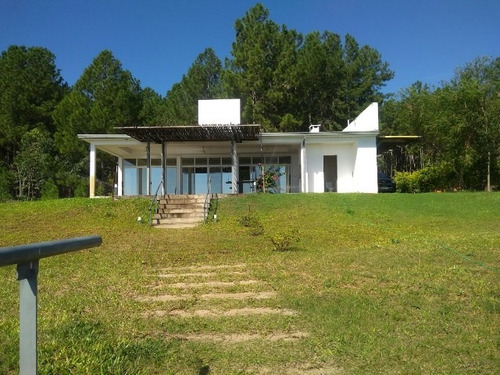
{"x":288,"y":82}
{"x":104,"y":97}
{"x":260,"y":70}
{"x":478,"y":105}
{"x":33,"y":163}
{"x":153,"y":108}
{"x":459,"y":124}
{"x":202,"y":81}
{"x":365,"y":75}
{"x":30,"y":88}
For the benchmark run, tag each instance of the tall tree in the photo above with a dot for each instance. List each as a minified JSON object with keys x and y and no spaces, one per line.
{"x":30,"y":87}
{"x":202,"y":81}
{"x":364,"y":75}
{"x":105,"y":96}
{"x":459,"y":123}
{"x":288,"y":82}
{"x":319,"y":78}
{"x":477,"y":105}
{"x":153,"y":108}
{"x":260,"y":70}
{"x":33,"y":163}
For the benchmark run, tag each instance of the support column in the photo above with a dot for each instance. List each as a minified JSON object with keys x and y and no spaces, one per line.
{"x":303,"y":168}
{"x":179,"y":186}
{"x":120,"y":177}
{"x":27,"y":275}
{"x":163,"y":168}
{"x":92,"y":170}
{"x":234,"y":168}
{"x":148,"y":164}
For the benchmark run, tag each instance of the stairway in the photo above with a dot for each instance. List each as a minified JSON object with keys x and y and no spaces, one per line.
{"x":179,"y":211}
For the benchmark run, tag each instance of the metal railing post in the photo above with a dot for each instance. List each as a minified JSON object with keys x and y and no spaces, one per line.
{"x":27,"y":275}
{"x":27,"y":258}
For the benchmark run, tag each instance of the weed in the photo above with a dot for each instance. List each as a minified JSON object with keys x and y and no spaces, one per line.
{"x":392,"y":283}
{"x":252,"y":222}
{"x":284,"y":241}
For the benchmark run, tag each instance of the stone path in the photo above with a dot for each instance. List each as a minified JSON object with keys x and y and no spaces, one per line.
{"x":214,"y":292}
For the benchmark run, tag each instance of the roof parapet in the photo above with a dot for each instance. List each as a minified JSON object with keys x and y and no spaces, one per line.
{"x":366,"y":121}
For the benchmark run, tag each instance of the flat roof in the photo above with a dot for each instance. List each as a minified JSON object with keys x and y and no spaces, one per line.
{"x":193,"y":133}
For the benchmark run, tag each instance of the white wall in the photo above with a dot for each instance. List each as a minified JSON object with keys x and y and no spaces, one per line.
{"x":365,"y":169}
{"x":366,"y":121}
{"x":346,"y":154}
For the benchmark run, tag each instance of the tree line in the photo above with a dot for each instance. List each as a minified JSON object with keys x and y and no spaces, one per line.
{"x":285,"y":80}
{"x":459,"y":125}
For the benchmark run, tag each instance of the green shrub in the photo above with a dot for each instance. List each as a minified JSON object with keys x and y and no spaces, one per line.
{"x":50,"y":190}
{"x":82,"y":189}
{"x":252,"y":222}
{"x":5,"y":183}
{"x":428,"y":179}
{"x":269,"y":179}
{"x":284,"y":241}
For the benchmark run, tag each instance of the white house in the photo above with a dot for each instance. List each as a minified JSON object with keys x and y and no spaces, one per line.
{"x":230,"y":156}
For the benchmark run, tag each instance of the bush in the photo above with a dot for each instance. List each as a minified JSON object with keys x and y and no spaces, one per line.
{"x":252,"y":221}
{"x":268,"y":181}
{"x":82,"y":189}
{"x":50,"y":190}
{"x":431,"y":178}
{"x":284,"y":241}
{"x":5,"y":183}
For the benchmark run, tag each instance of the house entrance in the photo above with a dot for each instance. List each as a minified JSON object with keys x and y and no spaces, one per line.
{"x":330,"y":172}
{"x":247,"y":179}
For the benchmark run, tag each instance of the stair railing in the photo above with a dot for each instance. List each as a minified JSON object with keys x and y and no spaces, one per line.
{"x":206,"y":205}
{"x":153,"y":201}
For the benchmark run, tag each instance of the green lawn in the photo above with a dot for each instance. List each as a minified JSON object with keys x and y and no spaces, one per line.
{"x":369,"y":284}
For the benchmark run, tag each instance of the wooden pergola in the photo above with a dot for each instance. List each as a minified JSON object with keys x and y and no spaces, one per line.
{"x":160,"y":134}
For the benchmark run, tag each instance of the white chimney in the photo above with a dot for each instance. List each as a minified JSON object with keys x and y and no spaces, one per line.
{"x":314,"y":128}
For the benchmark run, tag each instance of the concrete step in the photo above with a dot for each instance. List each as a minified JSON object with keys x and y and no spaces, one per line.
{"x":188,"y":215}
{"x":180,"y":210}
{"x":178,"y":196}
{"x":177,"y":225}
{"x":181,"y":203}
{"x":180,"y":220}
{"x":166,"y":207}
{"x":176,"y":199}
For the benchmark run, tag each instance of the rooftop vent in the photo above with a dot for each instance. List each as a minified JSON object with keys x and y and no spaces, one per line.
{"x":314,"y":128}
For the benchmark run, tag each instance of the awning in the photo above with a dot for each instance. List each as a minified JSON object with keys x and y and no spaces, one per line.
{"x":159,"y":134}
{"x":386,"y":142}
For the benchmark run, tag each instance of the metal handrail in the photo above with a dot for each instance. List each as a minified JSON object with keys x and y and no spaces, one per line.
{"x":206,"y":205}
{"x":27,"y":258}
{"x":32,"y":252}
{"x":216,"y":206}
{"x":152,"y":203}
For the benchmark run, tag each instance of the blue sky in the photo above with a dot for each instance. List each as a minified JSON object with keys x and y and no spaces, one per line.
{"x":158,"y":41}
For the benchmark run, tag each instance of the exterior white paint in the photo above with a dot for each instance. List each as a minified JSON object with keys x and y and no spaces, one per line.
{"x":365,"y":167}
{"x":120,"y":176}
{"x":92,"y":170}
{"x":366,"y":121}
{"x":356,"y":164}
{"x":355,"y":149}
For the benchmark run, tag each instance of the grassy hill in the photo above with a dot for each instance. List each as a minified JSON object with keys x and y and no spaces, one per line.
{"x":280,"y":284}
